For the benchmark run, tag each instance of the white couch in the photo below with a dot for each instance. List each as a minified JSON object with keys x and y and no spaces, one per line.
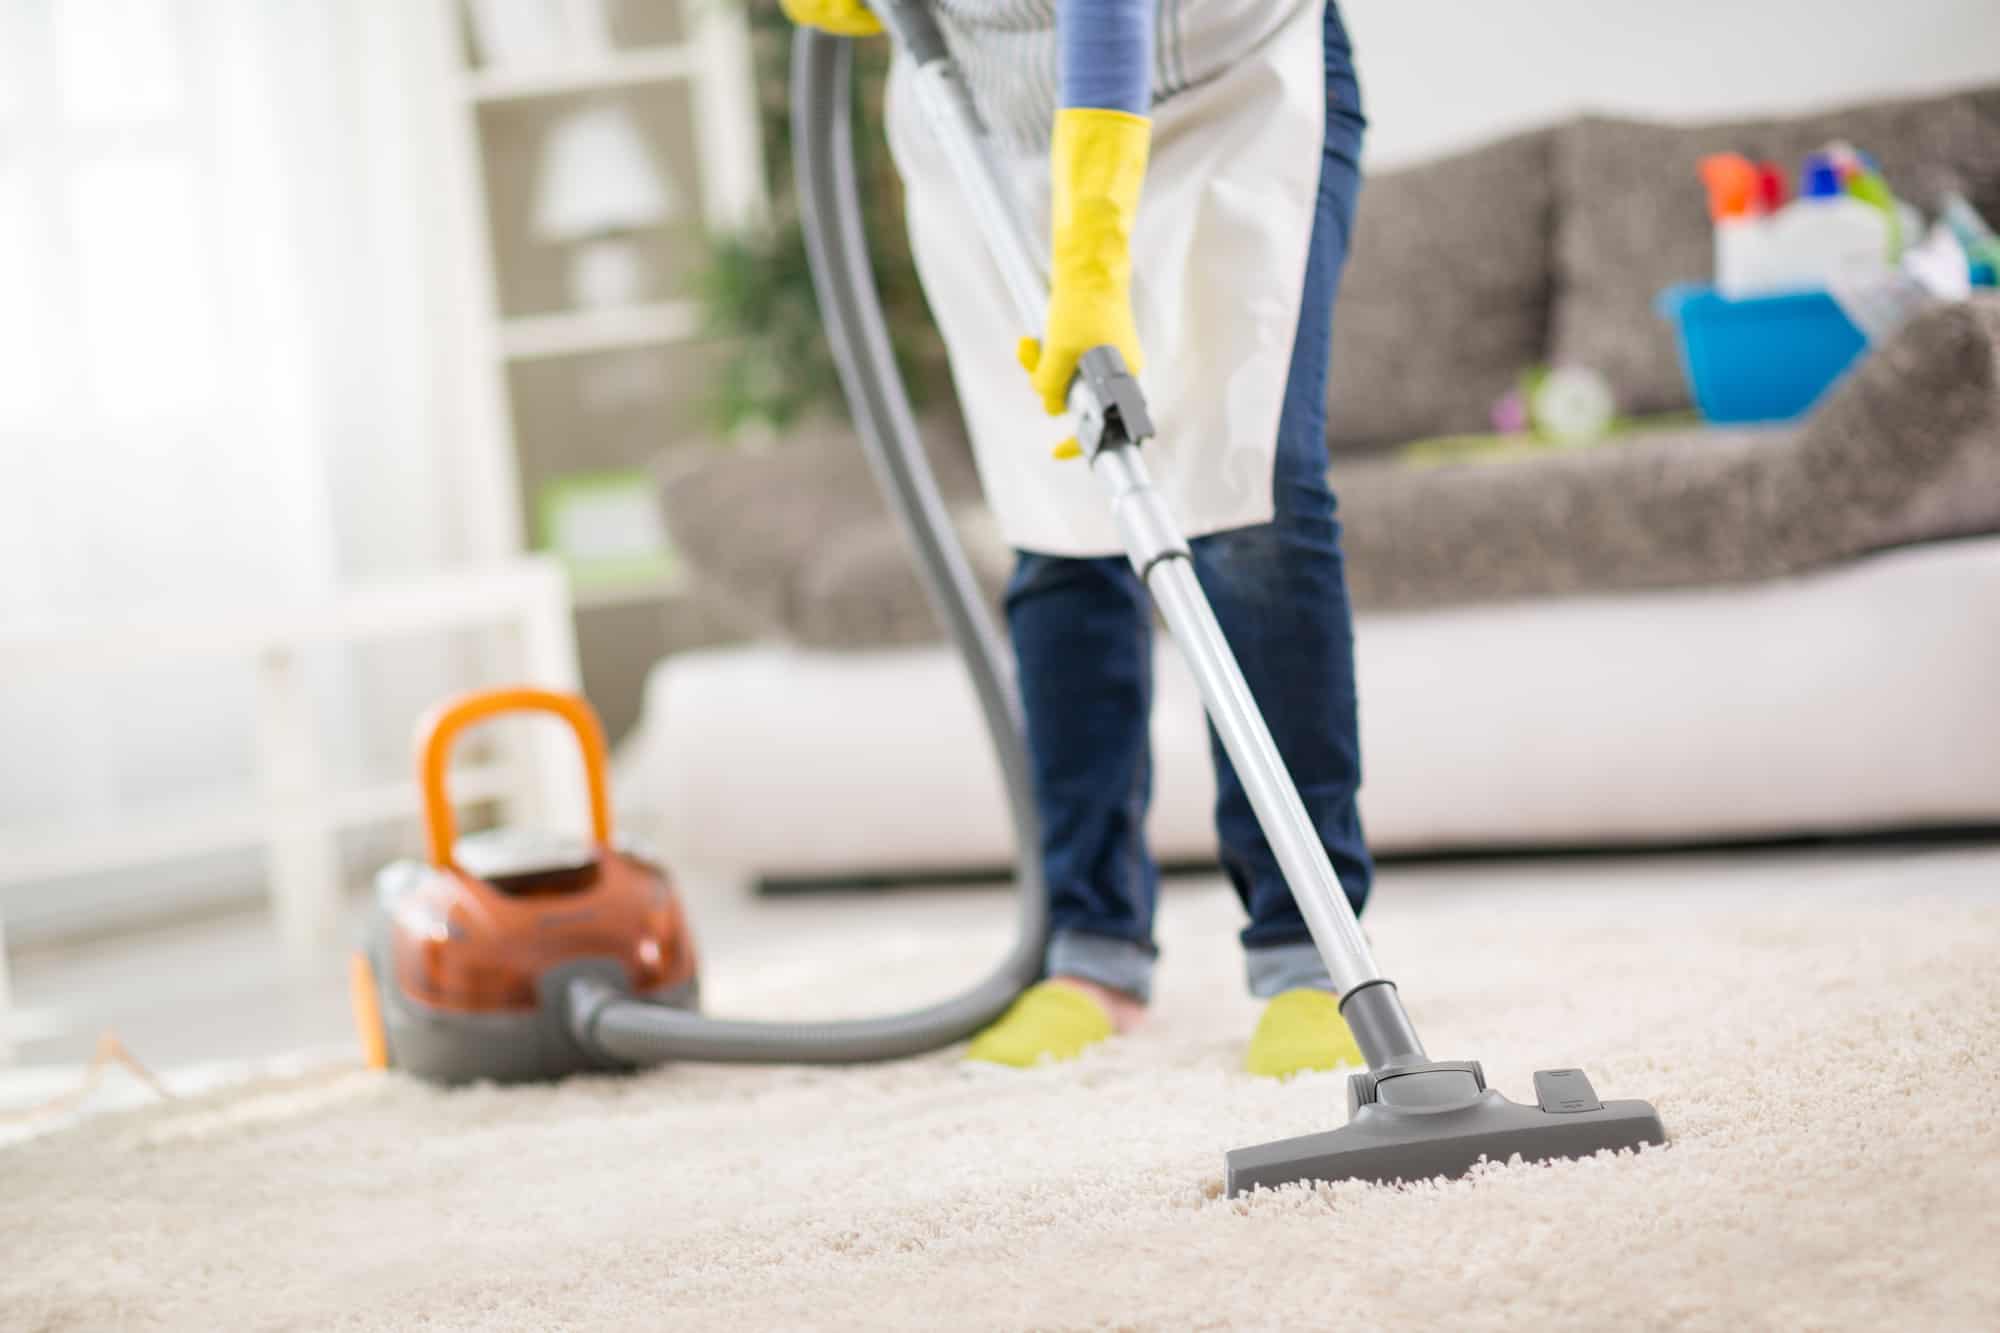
{"x":1861,"y":698}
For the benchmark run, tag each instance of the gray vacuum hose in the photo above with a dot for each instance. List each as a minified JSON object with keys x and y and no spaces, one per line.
{"x":624,"y":1029}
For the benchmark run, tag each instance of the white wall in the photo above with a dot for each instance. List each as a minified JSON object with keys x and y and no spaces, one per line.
{"x":1443,"y":74}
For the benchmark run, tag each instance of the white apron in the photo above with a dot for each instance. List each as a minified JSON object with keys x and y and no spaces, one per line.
{"x":1219,"y":256}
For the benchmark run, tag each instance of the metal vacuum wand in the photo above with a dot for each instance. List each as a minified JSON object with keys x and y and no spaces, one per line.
{"x":1112,"y":422}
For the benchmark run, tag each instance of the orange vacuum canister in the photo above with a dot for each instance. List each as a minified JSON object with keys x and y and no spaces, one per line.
{"x":470,"y":952}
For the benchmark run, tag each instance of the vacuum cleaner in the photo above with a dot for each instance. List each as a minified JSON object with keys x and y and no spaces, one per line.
{"x":511,"y":958}
{"x":510,"y":955}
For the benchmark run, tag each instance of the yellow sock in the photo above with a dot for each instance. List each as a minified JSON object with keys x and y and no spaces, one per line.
{"x":1301,"y":1030}
{"x":1048,"y":1022}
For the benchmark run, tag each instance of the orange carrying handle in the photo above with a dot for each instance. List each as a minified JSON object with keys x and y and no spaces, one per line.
{"x":442,"y":726}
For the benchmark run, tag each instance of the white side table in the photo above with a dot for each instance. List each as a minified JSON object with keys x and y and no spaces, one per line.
{"x":296,"y":814}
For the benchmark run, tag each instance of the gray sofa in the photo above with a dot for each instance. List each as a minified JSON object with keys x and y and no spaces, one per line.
{"x":1543,"y":248}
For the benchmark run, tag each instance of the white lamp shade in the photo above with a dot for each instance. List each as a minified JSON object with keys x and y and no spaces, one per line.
{"x":598,"y":177}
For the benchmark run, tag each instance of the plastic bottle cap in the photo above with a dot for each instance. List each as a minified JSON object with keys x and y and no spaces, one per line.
{"x":1732,"y":185}
{"x":1770,"y":186}
{"x":1820,"y":179}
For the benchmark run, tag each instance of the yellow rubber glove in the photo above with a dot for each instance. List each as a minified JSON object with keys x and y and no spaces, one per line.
{"x":843,"y":18}
{"x":1097,"y":161}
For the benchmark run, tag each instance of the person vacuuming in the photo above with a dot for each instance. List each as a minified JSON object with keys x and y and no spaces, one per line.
{"x":564,"y":972}
{"x":1250,"y":114}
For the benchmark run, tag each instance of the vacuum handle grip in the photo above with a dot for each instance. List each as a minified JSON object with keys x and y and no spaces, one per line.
{"x":441,"y":728}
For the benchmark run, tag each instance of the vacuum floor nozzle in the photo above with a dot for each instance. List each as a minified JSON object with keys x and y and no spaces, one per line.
{"x":1421,"y":1121}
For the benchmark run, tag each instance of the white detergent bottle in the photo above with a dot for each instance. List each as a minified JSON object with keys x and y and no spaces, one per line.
{"x":1824,"y":238}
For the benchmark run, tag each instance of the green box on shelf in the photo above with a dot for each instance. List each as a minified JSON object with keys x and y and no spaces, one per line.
{"x":607,"y":529}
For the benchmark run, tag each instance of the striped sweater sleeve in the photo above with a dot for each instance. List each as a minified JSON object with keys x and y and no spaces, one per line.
{"x":1107,"y":54}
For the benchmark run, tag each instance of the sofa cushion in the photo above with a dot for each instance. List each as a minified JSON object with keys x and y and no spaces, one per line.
{"x":748,"y":523}
{"x":797,"y":544}
{"x":1446,"y":294}
{"x":863,"y":590}
{"x":1905,"y":449}
{"x":1633,"y":218}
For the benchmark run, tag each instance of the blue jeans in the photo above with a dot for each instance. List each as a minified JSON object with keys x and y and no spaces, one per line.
{"x":1082,"y":632}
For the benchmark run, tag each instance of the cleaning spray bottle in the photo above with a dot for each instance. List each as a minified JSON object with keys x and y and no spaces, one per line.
{"x":1975,"y":237}
{"x":1738,"y":206}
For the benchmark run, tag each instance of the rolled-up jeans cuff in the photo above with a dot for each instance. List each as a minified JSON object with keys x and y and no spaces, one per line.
{"x":1277,"y":968}
{"x":1121,"y":965}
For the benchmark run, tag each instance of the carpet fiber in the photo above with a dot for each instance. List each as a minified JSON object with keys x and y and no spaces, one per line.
{"x":1812,"y":1028}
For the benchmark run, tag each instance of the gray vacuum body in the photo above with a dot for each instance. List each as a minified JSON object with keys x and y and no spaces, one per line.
{"x":1424,"y":1120}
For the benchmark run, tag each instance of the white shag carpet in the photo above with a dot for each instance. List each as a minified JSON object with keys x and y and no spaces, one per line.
{"x":1816,"y":1031}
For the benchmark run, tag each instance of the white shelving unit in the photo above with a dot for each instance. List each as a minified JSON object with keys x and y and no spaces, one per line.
{"x":685,"y":70}
{"x":713,"y":61}
{"x":618,"y":69}
{"x":627,"y":594}
{"x":573,"y":333}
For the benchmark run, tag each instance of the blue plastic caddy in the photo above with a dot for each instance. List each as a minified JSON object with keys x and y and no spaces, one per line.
{"x":1767,"y":358}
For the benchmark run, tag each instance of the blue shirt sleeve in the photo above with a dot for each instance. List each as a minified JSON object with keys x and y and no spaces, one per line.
{"x":1107,"y":54}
